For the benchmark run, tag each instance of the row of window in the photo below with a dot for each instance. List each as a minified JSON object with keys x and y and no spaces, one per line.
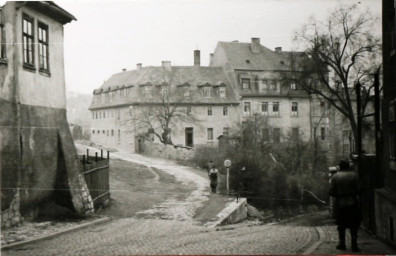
{"x":209,"y":132}
{"x":264,"y":85}
{"x":29,"y":41}
{"x":102,"y":114}
{"x":107,"y":133}
{"x":269,"y":108}
{"x":148,"y":93}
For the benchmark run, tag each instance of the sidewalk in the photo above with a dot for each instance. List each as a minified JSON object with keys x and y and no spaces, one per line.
{"x":328,"y":240}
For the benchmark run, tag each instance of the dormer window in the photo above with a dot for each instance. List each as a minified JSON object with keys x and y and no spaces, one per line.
{"x":206,"y":91}
{"x":186,"y":92}
{"x":293,"y":86}
{"x":222,"y":92}
{"x":164,"y":90}
{"x":147,"y":91}
{"x":245,"y":83}
{"x":28,"y":40}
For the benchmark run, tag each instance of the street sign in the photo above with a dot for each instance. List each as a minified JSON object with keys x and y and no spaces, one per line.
{"x":227,"y":163}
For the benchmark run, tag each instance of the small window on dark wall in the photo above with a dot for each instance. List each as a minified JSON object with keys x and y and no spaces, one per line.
{"x":43,"y":47}
{"x":28,"y":40}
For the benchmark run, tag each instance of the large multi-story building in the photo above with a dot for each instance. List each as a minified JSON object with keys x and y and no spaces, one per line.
{"x":385,"y":197}
{"x":254,"y":80}
{"x":37,"y":152}
{"x":132,"y":103}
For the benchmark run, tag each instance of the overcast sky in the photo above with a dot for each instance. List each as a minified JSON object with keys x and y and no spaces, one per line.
{"x":111,"y":35}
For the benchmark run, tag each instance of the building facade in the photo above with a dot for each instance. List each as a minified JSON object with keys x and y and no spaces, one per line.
{"x":37,"y":150}
{"x":130,"y":106}
{"x":385,"y":197}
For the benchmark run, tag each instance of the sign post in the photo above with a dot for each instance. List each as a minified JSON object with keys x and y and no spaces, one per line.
{"x":227,"y":164}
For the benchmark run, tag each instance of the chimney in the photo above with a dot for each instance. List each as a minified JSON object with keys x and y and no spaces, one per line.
{"x":197,"y":58}
{"x":124,"y":69}
{"x":278,"y":49}
{"x":167,"y":65}
{"x":211,"y":59}
{"x":139,"y":66}
{"x":255,"y":45}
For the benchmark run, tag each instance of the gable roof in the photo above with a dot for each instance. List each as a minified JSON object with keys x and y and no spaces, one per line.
{"x":240,"y":56}
{"x":194,"y":77}
{"x":50,"y":9}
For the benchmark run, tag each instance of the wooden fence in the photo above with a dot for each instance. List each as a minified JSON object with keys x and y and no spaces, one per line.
{"x":96,"y":173}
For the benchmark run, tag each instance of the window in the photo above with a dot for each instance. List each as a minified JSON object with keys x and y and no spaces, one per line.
{"x":119,"y":135}
{"x":256,"y":82}
{"x":225,"y":111}
{"x":206,"y":92}
{"x":96,"y":115}
{"x":294,"y":109}
{"x":272,"y":85}
{"x":100,"y":115}
{"x":186,"y":92}
{"x":323,"y":133}
{"x":164,"y":90}
{"x":293,"y":86}
{"x":222,"y":92}
{"x":43,"y":46}
{"x":130,"y":111}
{"x":118,"y":114}
{"x":104,"y":114}
{"x":295,"y":133}
{"x":93,"y":115}
{"x":147,"y":91}
{"x":265,"y":134}
{"x":93,"y":131}
{"x":3,"y":55}
{"x":188,"y":110}
{"x":275,"y":108}
{"x":226,"y":131}
{"x":112,"y":132}
{"x":263,"y":86}
{"x":264,"y":108}
{"x":209,"y":111}
{"x":107,"y":133}
{"x":245,"y":83}
{"x":103,"y":131}
{"x":210,"y":133}
{"x":246,"y":108}
{"x":28,"y":41}
{"x":322,"y":108}
{"x":276,"y":135}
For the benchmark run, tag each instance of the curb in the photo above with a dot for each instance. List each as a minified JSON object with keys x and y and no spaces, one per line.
{"x":226,"y":213}
{"x":49,"y":236}
{"x":316,"y":244}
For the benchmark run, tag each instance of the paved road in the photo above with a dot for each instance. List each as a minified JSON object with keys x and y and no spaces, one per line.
{"x":128,"y":236}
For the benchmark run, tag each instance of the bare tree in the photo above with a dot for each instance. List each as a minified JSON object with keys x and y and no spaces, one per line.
{"x":338,"y":53}
{"x":164,"y":107}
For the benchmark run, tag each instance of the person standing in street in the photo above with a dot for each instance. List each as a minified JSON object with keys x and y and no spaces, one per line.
{"x":213,"y":173}
{"x":344,"y":187}
{"x":210,"y":165}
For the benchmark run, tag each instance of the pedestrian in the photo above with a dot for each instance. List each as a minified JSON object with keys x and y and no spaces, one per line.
{"x":213,"y":173}
{"x":344,"y":187}
{"x":210,"y":165}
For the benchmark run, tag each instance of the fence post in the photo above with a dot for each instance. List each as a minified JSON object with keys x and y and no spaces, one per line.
{"x":83,"y":159}
{"x":96,"y":156}
{"x":101,"y":154}
{"x":87,"y":154}
{"x":108,"y":155}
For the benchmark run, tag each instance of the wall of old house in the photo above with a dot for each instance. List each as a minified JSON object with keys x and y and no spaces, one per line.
{"x":105,"y":128}
{"x":33,"y":123}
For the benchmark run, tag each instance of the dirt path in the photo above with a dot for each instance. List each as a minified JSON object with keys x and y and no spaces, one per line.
{"x":181,"y":197}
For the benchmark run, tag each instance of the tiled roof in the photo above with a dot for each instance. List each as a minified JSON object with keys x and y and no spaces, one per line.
{"x":240,"y":56}
{"x":175,"y":76}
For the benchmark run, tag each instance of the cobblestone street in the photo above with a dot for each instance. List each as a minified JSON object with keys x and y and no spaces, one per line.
{"x":130,"y":236}
{"x":174,"y":227}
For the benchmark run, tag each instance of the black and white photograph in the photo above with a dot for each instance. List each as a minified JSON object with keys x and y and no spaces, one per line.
{"x":198,"y":127}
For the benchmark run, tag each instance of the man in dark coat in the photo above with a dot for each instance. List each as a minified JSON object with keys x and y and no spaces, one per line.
{"x":344,"y":187}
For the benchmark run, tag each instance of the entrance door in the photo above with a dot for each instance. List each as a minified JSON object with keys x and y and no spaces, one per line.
{"x":189,"y":137}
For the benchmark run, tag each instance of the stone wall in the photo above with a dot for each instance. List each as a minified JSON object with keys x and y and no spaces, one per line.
{"x":168,"y":151}
{"x":12,"y":216}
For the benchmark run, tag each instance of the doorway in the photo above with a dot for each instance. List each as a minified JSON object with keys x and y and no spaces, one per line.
{"x":189,"y":136}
